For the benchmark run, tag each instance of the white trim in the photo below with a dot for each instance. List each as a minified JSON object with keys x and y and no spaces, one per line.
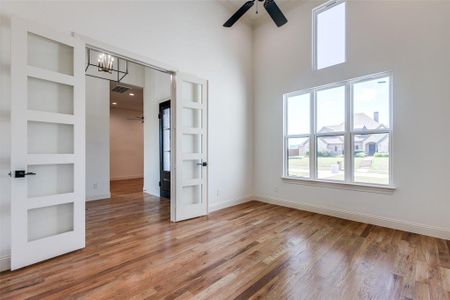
{"x":355,"y":186}
{"x":348,"y":134}
{"x":315,"y":12}
{"x":419,"y":228}
{"x":5,"y":263}
{"x":126,"y":177}
{"x":224,"y":204}
{"x":48,"y":117}
{"x":51,"y":76}
{"x":50,"y":159}
{"x":98,"y":197}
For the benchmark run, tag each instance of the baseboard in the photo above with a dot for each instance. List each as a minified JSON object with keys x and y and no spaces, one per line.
{"x":224,"y":204}
{"x":98,"y":197}
{"x":5,"y":263}
{"x":127,"y":177}
{"x":438,"y":232}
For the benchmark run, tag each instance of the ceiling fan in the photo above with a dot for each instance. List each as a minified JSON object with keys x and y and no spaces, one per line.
{"x":271,"y":7}
{"x":140,"y":118}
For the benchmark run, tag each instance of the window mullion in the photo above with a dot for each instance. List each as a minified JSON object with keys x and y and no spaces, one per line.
{"x":348,"y":149}
{"x":312,"y":139}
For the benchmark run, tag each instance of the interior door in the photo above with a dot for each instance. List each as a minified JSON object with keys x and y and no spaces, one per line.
{"x":47,"y":145}
{"x":164,"y":148}
{"x":191,"y":129}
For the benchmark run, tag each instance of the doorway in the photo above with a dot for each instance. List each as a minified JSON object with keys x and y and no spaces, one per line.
{"x":126,"y":138}
{"x":164,"y":148}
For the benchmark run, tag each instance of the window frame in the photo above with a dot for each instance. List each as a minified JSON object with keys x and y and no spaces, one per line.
{"x":315,"y":12}
{"x":349,"y":133}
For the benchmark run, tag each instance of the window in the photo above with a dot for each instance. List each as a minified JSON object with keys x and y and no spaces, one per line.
{"x":329,"y":34}
{"x":340,"y":132}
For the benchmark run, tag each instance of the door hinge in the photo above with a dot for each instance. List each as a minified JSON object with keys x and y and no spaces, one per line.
{"x":159,"y":116}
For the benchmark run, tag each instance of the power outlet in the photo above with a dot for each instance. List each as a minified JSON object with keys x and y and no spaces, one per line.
{"x":95,"y":186}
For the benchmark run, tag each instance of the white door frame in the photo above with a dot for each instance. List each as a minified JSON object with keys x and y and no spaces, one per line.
{"x":157,"y":65}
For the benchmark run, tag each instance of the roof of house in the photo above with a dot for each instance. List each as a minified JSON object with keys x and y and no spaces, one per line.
{"x":361,"y":121}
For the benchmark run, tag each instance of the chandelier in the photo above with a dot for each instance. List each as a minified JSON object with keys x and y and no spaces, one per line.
{"x":105,"y":63}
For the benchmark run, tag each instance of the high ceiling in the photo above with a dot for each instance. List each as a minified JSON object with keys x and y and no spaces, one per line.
{"x":125,"y":100}
{"x":251,"y":17}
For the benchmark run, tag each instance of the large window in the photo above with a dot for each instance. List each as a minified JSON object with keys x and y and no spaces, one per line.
{"x":329,"y":34}
{"x":340,"y":132}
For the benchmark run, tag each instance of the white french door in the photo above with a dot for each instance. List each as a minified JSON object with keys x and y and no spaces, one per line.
{"x":47,"y":144}
{"x":191,"y":144}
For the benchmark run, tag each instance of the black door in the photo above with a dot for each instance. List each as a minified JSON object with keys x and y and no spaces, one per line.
{"x":164,"y":148}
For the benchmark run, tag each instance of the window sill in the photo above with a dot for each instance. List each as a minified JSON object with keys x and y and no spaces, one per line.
{"x":361,"y":187}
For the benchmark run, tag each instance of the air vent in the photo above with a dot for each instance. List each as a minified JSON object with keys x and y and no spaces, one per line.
{"x":120,"y":89}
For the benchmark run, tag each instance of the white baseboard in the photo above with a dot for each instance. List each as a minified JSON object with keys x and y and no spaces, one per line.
{"x":5,"y":263}
{"x":152,"y":192}
{"x":98,"y":197}
{"x":439,"y":232}
{"x":127,"y":177}
{"x":229,"y":203}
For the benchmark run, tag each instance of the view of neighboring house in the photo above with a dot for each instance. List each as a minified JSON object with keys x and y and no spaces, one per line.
{"x":334,"y":145}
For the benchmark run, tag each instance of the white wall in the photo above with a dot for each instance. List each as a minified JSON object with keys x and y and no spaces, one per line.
{"x":126,"y":144}
{"x":97,"y":139}
{"x":409,"y":38}
{"x":185,"y":34}
{"x":157,"y":89}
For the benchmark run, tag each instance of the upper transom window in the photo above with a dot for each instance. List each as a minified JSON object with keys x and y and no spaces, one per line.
{"x":329,"y":34}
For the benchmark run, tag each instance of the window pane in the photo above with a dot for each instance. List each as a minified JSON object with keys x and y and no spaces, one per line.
{"x":330,"y":158}
{"x":298,"y":113}
{"x":330,"y":39}
{"x":331,"y":110}
{"x":371,"y":158}
{"x":371,"y":104}
{"x":298,"y":157}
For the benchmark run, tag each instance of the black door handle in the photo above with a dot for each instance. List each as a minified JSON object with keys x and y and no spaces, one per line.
{"x":21,"y":173}
{"x":203,"y":164}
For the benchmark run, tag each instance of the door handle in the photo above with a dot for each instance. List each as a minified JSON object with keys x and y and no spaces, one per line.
{"x":20,"y":174}
{"x":203,"y":164}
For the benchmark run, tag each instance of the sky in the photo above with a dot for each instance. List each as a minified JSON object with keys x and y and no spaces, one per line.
{"x":368,"y":97}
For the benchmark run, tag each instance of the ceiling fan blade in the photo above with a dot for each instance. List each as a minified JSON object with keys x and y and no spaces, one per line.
{"x":275,"y":13}
{"x":239,"y":13}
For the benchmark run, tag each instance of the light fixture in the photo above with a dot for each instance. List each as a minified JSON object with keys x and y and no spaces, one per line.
{"x":114,"y":103}
{"x":131,"y":94}
{"x":105,"y":63}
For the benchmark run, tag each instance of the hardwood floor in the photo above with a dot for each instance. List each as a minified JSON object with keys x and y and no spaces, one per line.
{"x":253,"y":250}
{"x":128,"y":186}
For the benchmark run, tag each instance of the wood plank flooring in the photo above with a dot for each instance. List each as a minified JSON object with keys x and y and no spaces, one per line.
{"x":128,"y":186}
{"x":249,"y":251}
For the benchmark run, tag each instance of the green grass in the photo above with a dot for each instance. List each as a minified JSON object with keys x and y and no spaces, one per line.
{"x":377,"y":172}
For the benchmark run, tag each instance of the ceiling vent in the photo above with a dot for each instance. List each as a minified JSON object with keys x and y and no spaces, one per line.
{"x":120,"y":89}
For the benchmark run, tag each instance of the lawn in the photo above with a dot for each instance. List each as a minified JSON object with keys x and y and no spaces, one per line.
{"x":373,"y":169}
